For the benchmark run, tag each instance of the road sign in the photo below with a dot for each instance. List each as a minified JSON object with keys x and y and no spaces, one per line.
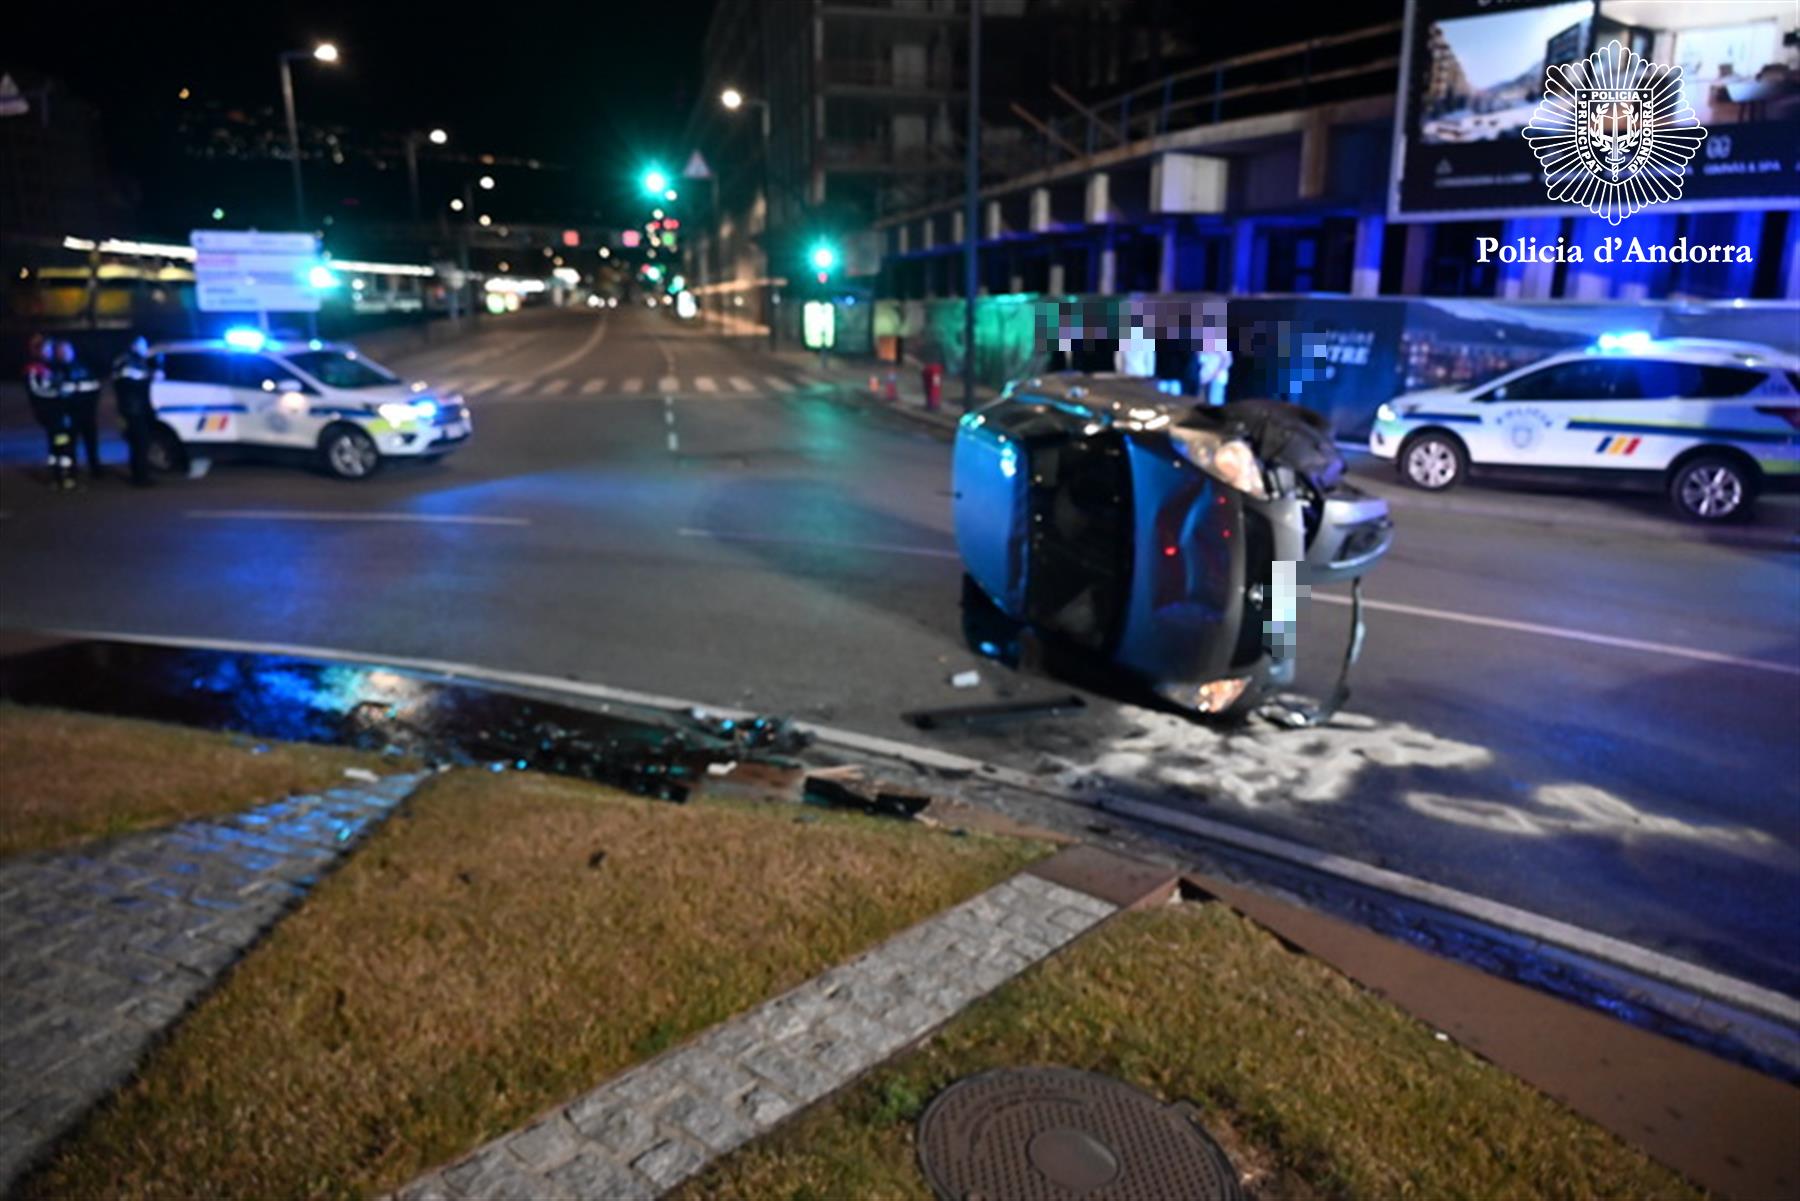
{"x":239,"y":271}
{"x":12,"y":101}
{"x":696,"y":168}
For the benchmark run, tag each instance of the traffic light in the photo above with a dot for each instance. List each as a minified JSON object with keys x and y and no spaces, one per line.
{"x":655,"y":181}
{"x":823,"y":257}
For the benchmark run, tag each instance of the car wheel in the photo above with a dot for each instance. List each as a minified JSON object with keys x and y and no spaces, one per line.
{"x":165,"y":453}
{"x":1712,"y":488}
{"x":349,"y":453}
{"x":1433,"y":462}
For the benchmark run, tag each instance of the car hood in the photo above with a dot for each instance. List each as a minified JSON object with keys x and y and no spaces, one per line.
{"x":1427,"y":398}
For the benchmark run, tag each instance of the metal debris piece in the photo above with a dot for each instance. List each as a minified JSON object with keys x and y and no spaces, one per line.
{"x":1027,"y":1134}
{"x":361,"y":773}
{"x":841,"y":792}
{"x":966,"y":679}
{"x":996,"y":713}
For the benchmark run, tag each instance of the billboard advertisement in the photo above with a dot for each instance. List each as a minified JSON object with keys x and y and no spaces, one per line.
{"x":1474,"y":75}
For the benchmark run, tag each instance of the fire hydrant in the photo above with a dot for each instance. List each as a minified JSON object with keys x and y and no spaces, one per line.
{"x":933,"y":378}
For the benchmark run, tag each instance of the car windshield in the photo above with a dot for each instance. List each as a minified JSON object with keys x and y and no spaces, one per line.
{"x":341,"y":369}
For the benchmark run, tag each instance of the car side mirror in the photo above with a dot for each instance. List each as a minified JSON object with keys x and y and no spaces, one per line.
{"x":1497,"y":394}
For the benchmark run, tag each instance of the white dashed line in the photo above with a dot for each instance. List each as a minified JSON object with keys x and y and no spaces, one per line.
{"x":356,"y":516}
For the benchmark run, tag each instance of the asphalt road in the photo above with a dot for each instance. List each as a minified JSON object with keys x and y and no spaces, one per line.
{"x":1565,"y":703}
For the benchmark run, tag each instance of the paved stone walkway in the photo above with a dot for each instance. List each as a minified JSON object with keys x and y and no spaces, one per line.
{"x":646,"y":1131}
{"x":103,"y":949}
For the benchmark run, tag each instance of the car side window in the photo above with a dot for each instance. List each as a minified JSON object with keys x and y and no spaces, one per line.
{"x":195,"y":367}
{"x":1591,"y":379}
{"x":1722,"y":383}
{"x":261,"y":374}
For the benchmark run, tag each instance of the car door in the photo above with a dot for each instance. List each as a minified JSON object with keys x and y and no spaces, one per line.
{"x":1535,"y":420}
{"x":192,"y":394}
{"x":275,"y":400}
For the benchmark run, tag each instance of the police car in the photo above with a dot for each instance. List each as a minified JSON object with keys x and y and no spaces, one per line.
{"x":1711,"y":422}
{"x":318,"y":399}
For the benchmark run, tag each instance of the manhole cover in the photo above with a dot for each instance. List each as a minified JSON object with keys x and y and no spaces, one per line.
{"x":1025,"y":1134}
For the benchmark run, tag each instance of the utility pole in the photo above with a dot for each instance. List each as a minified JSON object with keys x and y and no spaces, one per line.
{"x":293,"y":132}
{"x":972,"y":206}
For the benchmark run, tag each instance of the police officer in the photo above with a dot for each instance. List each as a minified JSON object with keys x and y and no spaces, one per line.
{"x":43,"y":381}
{"x":81,"y":400}
{"x":131,"y":393}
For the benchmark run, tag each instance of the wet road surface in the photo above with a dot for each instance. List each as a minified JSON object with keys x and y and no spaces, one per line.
{"x":1595,"y":722}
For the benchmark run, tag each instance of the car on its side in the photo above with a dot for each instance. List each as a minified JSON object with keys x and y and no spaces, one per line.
{"x":320,"y":400}
{"x":1711,"y":423}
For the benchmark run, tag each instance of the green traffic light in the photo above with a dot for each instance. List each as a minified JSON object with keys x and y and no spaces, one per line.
{"x":655,"y":182}
{"x":824,"y":257}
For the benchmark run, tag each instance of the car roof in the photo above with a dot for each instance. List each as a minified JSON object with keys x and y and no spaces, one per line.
{"x":272,"y":346}
{"x":1703,"y":352}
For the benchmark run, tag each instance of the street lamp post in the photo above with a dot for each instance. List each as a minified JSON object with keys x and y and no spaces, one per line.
{"x":324,"y":52}
{"x":436,"y":137}
{"x":972,"y":207}
{"x":733,"y":99}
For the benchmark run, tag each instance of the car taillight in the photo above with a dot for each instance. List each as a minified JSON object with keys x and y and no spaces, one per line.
{"x":1788,"y":413}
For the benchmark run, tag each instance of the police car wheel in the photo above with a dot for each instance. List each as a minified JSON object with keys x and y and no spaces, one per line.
{"x":1433,"y":462}
{"x":349,"y":453}
{"x":1711,"y":488}
{"x":165,"y":452}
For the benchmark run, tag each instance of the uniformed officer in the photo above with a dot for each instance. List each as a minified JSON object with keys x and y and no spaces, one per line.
{"x":43,"y":382}
{"x":81,"y":398}
{"x":131,"y":393}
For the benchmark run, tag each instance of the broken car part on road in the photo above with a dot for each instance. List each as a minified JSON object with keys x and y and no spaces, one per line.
{"x":1167,"y":541}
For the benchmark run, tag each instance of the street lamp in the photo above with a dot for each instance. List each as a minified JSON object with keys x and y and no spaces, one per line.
{"x":436,"y":137}
{"x":486,"y":182}
{"x":324,"y":52}
{"x":734,"y":100}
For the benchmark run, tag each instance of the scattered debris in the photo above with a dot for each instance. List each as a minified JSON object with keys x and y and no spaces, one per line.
{"x":966,"y":679}
{"x":361,"y":773}
{"x":1001,"y":711}
{"x":838,"y":791}
{"x":596,"y":859}
{"x":721,"y":769}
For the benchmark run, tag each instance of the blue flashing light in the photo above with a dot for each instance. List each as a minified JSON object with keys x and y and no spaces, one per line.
{"x":1009,"y":461}
{"x":1629,"y":342}
{"x":245,"y":338}
{"x":426,"y":408}
{"x":322,"y":277}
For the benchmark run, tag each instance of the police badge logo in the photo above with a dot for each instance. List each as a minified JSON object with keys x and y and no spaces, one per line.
{"x":1614,"y":133}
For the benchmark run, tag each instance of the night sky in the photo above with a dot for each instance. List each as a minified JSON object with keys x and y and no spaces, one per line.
{"x":596,"y":86}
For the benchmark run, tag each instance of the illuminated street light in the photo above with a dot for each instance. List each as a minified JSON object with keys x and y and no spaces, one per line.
{"x":486,"y":182}
{"x":670,"y":195}
{"x":325,"y":52}
{"x":605,"y":252}
{"x":456,"y":204}
{"x":732,"y":99}
{"x":438,"y":137}
{"x":484,"y":219}
{"x":218,"y":214}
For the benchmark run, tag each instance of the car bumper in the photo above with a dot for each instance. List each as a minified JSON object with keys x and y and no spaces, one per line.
{"x":426,"y":440}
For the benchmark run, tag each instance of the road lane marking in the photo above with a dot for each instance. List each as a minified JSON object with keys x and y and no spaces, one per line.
{"x":633,"y":385}
{"x":1529,"y":627}
{"x":1555,"y":933}
{"x":516,"y":387}
{"x":668,"y":383}
{"x":556,"y":387}
{"x":780,"y":385}
{"x":890,"y":548}
{"x":482,"y":385}
{"x":594,"y":339}
{"x":742,"y":384}
{"x":450,"y":384}
{"x":593,"y":386}
{"x":357,"y":515}
{"x":705,"y":383}
{"x":674,"y":442}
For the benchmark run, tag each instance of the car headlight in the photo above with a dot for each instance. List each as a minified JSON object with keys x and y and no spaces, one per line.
{"x":1386,"y":413}
{"x":1229,"y":460}
{"x":399,"y":412}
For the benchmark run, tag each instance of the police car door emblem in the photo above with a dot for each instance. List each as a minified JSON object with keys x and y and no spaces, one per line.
{"x":1614,"y":132}
{"x":1523,"y":426}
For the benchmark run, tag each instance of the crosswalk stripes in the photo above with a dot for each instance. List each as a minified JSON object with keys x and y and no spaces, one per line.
{"x":717,"y":387}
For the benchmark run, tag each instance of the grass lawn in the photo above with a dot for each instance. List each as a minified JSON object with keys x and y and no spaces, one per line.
{"x":504,"y":943}
{"x":1315,"y":1087}
{"x":67,"y":777}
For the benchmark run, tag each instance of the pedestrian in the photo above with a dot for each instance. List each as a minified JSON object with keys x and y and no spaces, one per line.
{"x":81,"y":398}
{"x":43,"y":385}
{"x":131,"y":393}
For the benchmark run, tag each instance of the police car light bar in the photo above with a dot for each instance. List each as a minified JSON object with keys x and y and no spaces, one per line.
{"x":1631,"y":341}
{"x":244,"y":338}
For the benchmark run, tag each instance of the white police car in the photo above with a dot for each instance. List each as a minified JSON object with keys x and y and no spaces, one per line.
{"x":1711,"y":422}
{"x":318,"y":399}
